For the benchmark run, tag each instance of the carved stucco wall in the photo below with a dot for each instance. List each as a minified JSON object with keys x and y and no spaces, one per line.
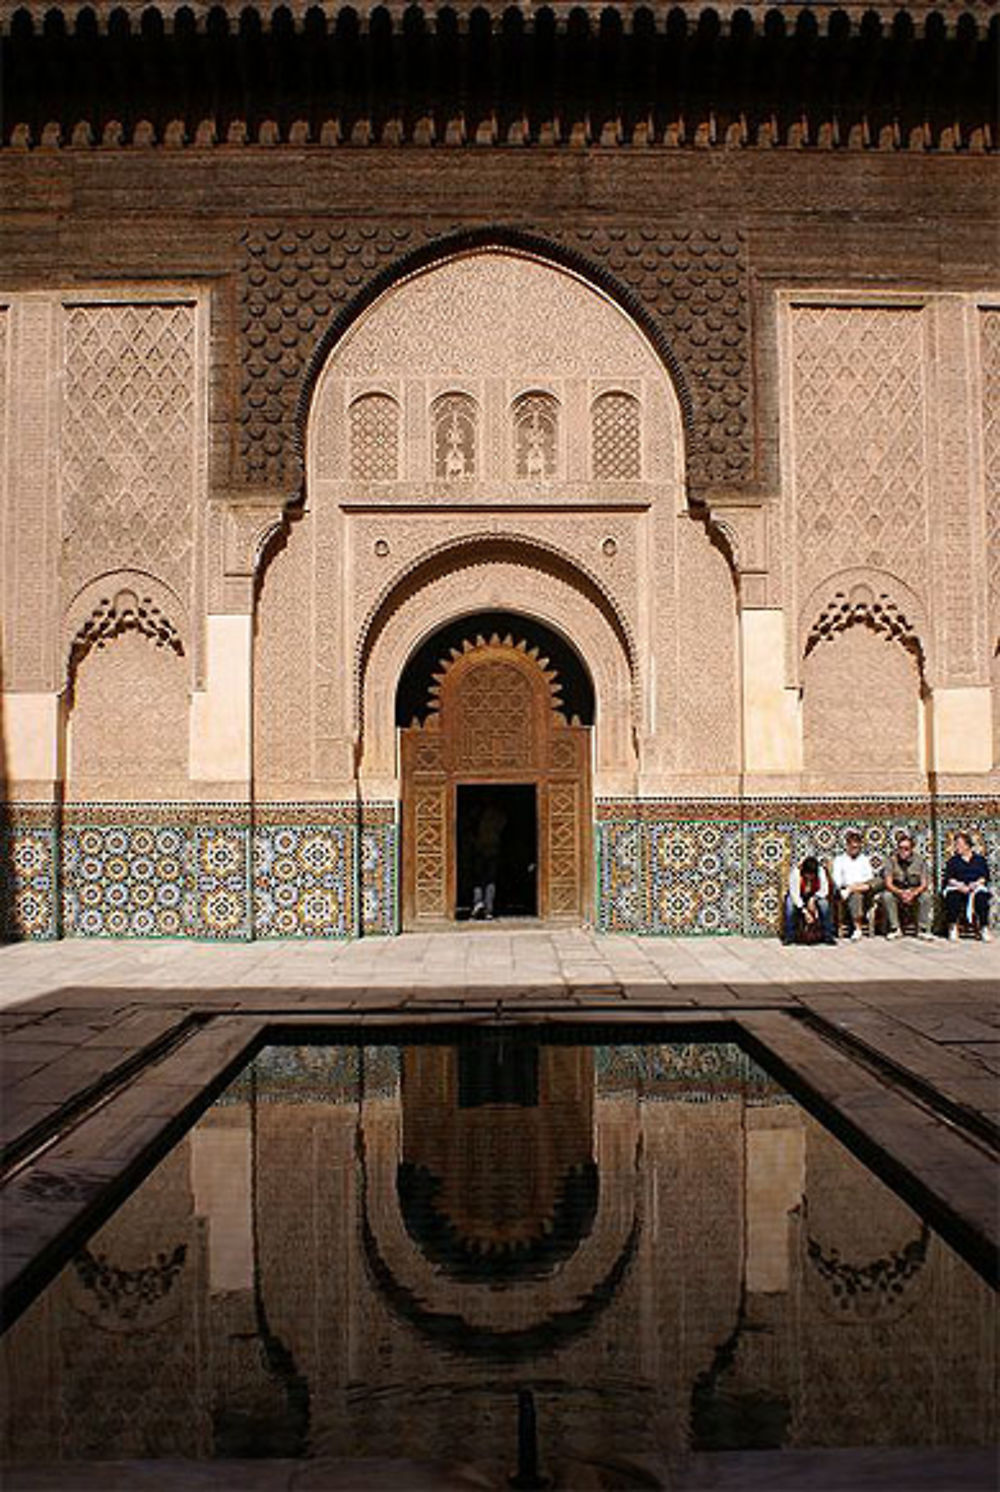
{"x":859,"y":456}
{"x":128,"y":734}
{"x":128,"y":452}
{"x":881,"y":470}
{"x":692,"y":282}
{"x":989,"y":342}
{"x":497,"y":327}
{"x":130,"y":457}
{"x":861,"y":704}
{"x":706,"y":657}
{"x":283,"y":671}
{"x":5,"y":545}
{"x":490,"y":326}
{"x":473,"y":585}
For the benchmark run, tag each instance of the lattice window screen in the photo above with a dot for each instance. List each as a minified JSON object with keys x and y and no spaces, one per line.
{"x":616,"y":434}
{"x":374,"y":427}
{"x":454,"y":419}
{"x":536,"y":436}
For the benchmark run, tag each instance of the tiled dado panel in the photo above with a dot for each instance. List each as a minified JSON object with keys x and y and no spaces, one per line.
{"x":379,"y":868}
{"x":155,"y":871}
{"x":180,"y":870}
{"x":312,"y":870}
{"x":28,"y":872}
{"x":315,"y":865}
{"x":697,"y":868}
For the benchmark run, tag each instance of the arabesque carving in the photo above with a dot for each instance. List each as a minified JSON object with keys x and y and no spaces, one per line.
{"x":616,"y":435}
{"x":501,"y":575}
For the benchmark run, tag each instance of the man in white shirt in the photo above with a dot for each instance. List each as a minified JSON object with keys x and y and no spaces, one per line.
{"x":854,"y":878}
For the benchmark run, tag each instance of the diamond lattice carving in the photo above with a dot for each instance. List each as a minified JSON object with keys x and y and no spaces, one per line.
{"x":990,"y":344}
{"x":616,"y":437}
{"x":859,"y":444}
{"x":374,"y":421}
{"x":128,"y":448}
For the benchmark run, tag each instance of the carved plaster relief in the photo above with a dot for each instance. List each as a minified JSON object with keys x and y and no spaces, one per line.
{"x":528,"y":340}
{"x":129,"y":455}
{"x":128,"y":726}
{"x":388,"y":546}
{"x":859,"y":454}
{"x":989,"y":343}
{"x":861,"y":704}
{"x":30,"y":538}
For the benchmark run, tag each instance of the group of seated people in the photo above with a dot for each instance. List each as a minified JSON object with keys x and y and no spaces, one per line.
{"x":904,"y":883}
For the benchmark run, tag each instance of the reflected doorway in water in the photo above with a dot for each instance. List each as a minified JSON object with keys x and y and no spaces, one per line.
{"x":497,"y":838}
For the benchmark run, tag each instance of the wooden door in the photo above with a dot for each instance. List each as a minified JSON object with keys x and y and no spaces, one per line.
{"x":494,"y":718}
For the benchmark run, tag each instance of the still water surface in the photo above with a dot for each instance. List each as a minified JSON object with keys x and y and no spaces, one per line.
{"x":368,"y":1251}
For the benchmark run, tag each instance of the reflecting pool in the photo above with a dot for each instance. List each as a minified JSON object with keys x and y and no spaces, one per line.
{"x":368,"y":1251}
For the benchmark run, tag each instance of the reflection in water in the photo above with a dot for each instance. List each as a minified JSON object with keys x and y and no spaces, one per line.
{"x":372,"y":1251}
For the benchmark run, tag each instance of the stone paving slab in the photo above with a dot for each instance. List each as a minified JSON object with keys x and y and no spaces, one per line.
{"x":83,"y":1173}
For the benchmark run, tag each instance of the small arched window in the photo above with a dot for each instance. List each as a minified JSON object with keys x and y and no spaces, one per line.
{"x":616,"y":447}
{"x":536,"y":436}
{"x":374,"y":435}
{"x":454,"y":421}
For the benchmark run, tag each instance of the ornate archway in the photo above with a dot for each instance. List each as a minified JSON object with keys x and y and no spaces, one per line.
{"x":495,"y":721}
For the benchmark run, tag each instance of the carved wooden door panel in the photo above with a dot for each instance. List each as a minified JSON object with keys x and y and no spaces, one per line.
{"x":565,"y":823}
{"x":425,"y":828}
{"x":494,"y":720}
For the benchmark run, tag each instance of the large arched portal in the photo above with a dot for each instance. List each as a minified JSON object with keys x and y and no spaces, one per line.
{"x":495,"y":713}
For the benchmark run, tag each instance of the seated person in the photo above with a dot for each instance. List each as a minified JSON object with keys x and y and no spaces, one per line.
{"x":966,"y":889}
{"x":907,"y":885}
{"x":807,"y":904}
{"x":854,"y":878}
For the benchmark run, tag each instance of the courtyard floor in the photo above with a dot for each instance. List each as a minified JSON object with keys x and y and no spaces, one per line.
{"x":108,"y":1047}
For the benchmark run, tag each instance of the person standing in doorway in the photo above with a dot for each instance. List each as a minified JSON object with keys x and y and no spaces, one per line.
{"x":486,"y":860}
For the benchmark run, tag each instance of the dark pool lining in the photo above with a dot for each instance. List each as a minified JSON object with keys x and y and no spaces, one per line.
{"x":979,"y":1253}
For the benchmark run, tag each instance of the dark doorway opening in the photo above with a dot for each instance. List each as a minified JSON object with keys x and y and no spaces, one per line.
{"x":497,"y":838}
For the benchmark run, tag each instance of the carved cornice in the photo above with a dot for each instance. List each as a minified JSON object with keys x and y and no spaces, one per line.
{"x":869,"y":76}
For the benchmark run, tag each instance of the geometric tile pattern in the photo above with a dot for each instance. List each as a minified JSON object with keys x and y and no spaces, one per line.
{"x":302,"y":881}
{"x":217,"y":900}
{"x":379,"y":862}
{"x":28,"y":903}
{"x":125,"y":881}
{"x":694,"y":877}
{"x":662,"y":868}
{"x":312,"y":870}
